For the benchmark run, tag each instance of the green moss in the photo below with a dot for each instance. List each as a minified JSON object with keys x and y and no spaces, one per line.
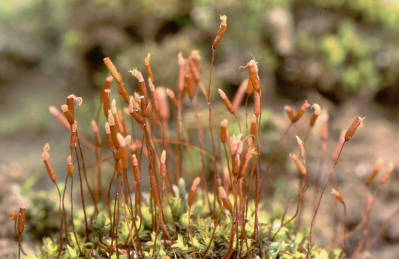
{"x":190,"y":236}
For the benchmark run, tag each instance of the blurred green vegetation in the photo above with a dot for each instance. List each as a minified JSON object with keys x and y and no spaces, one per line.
{"x":340,"y":48}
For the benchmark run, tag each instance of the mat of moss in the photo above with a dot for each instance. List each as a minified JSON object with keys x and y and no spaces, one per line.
{"x":197,"y":237}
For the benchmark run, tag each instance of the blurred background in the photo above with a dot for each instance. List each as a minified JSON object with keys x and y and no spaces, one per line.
{"x":343,"y":54}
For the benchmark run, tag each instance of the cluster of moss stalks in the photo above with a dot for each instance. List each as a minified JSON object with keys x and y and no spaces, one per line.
{"x":192,"y":237}
{"x":221,"y":216}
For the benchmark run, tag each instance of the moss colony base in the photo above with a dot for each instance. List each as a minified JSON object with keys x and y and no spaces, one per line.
{"x":194,"y":233}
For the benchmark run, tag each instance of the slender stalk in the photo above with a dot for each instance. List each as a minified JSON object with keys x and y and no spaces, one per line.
{"x":118,"y":217}
{"x":330,"y":175}
{"x":72,"y":221}
{"x":82,"y":192}
{"x":215,"y":168}
{"x":300,"y":198}
{"x":63,"y":209}
{"x":231,"y":243}
{"x":85,"y":177}
{"x":154,"y":178}
{"x":344,"y":229}
{"x":202,"y":144}
{"x":110,"y":189}
{"x":212,"y":235}
{"x":98,"y":154}
{"x":61,"y":220}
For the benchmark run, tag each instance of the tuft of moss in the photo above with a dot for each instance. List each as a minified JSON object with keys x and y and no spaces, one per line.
{"x":204,"y":233}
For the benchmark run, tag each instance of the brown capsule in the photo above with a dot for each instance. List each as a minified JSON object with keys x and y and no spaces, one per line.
{"x":59,"y":116}
{"x":387,"y":174}
{"x":356,"y":124}
{"x":118,"y":122}
{"x":290,"y":112}
{"x":196,"y":57}
{"x":47,"y":163}
{"x":172,"y":96}
{"x":235,"y":164}
{"x":195,"y":61}
{"x":71,"y":168}
{"x":108,"y":83}
{"x":248,"y":156}
{"x":136,"y":115}
{"x":70,"y":101}
{"x":376,"y":171}
{"x":136,"y":168}
{"x":301,"y":111}
{"x":225,"y":199}
{"x":67,"y":113}
{"x":114,"y":109}
{"x":182,"y":72}
{"x":142,"y":85}
{"x":239,"y":96}
{"x":192,"y":65}
{"x":109,"y":137}
{"x":193,"y":191}
{"x":191,"y":89}
{"x":250,"y":88}
{"x":118,"y":78}
{"x":222,"y":30}
{"x":144,"y":92}
{"x":163,"y":104}
{"x":316,"y":113}
{"x":114,"y":129}
{"x":21,"y":220}
{"x":112,"y":69}
{"x":224,"y":131}
{"x":226,"y":101}
{"x":300,"y":166}
{"x":123,"y":153}
{"x":338,"y":196}
{"x":253,"y":75}
{"x":106,"y":100}
{"x":145,"y":106}
{"x":147,"y":63}
{"x":154,"y":95}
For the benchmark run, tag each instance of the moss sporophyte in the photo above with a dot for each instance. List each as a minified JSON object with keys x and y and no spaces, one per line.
{"x":135,"y":204}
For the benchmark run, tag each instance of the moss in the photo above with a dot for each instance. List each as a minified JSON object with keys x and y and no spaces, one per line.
{"x":190,"y":236}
